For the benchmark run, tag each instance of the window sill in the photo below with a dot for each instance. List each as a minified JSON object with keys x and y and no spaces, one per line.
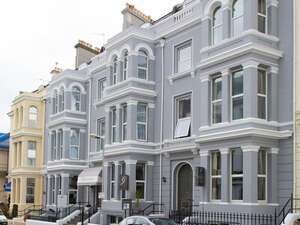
{"x":177,"y":76}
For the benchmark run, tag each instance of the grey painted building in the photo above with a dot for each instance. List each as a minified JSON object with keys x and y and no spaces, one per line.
{"x":207,"y":86}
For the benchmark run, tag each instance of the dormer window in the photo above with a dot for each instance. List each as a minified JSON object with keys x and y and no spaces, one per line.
{"x":217,"y":24}
{"x":143,"y":65}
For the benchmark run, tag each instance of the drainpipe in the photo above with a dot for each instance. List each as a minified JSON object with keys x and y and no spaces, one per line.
{"x":162,"y":45}
{"x":89,"y":126}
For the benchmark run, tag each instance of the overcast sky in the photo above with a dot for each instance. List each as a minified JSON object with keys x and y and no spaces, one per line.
{"x":35,"y":34}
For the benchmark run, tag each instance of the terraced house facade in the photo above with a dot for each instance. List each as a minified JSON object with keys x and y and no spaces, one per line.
{"x":193,"y":109}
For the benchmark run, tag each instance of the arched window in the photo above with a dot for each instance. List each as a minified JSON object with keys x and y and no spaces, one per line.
{"x":55,"y":102}
{"x":237,"y":17}
{"x":33,"y":116}
{"x":125,"y":65}
{"x":217,"y":23}
{"x":61,"y":99}
{"x":143,"y":65}
{"x":115,"y":70}
{"x":76,"y":99}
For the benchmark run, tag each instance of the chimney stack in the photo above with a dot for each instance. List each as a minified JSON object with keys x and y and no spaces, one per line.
{"x":84,"y":52}
{"x":56,"y":70}
{"x":134,"y":17}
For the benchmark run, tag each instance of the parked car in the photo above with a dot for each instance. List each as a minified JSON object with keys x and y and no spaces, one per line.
{"x":147,"y":220}
{"x":3,"y":219}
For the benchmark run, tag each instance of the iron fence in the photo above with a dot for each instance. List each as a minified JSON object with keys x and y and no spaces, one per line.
{"x":220,"y":218}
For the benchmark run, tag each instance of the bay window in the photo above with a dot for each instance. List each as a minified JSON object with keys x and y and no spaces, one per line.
{"x":183,"y":116}
{"x":236,"y":174}
{"x":217,"y":26}
{"x":237,"y":17}
{"x":216,"y":175}
{"x":216,"y":99}
{"x":140,"y":180}
{"x":262,"y":85}
{"x":262,"y":175}
{"x":262,"y":16}
{"x":183,"y":57}
{"x":142,"y":119}
{"x":74,"y":144}
{"x":237,"y":95}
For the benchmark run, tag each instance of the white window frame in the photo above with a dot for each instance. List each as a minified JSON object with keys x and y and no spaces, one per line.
{"x":32,"y":160}
{"x":101,"y":87}
{"x":60,"y":144}
{"x":115,"y":71}
{"x":32,"y":187}
{"x":125,"y":66}
{"x":113,"y":181}
{"x":53,"y":145}
{"x":55,"y":102}
{"x":216,"y":101}
{"x":143,"y":181}
{"x":114,"y":125}
{"x":233,"y":19}
{"x":123,"y":172}
{"x":61,"y":100}
{"x":215,"y":176}
{"x":263,"y":176}
{"x":263,"y":15}
{"x":265,"y":96}
{"x":75,"y":102}
{"x":214,"y":27}
{"x":101,"y":139}
{"x":75,"y":146}
{"x":33,"y":122}
{"x":232,"y":97}
{"x":142,"y":123}
{"x":178,"y":48}
{"x":236,"y":176}
{"x":147,"y":64}
{"x":124,"y":122}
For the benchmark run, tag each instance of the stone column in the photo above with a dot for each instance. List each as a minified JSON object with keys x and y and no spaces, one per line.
{"x":118,"y":110}
{"x":206,"y":32}
{"x":272,"y":8}
{"x":204,"y":101}
{"x":250,"y":14}
{"x":272,"y":176}
{"x":149,"y":181}
{"x":106,"y":180}
{"x":225,"y":174}
{"x":130,"y":69}
{"x":250,"y":89}
{"x":151,"y":121}
{"x":55,"y":189}
{"x":225,"y":96}
{"x":250,"y":158}
{"x":117,"y":179}
{"x":119,"y":71}
{"x":18,"y":190}
{"x":272,"y":94}
{"x":66,"y":143}
{"x":226,"y":11}
{"x":23,"y":190}
{"x":49,"y":190}
{"x":205,"y":163}
{"x":13,"y":185}
{"x":131,"y":120}
{"x":131,"y":172}
{"x":65,"y":179}
{"x":107,"y":126}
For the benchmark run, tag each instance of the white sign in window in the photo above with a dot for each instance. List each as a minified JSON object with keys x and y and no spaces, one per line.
{"x":183,"y":127}
{"x":31,"y":154}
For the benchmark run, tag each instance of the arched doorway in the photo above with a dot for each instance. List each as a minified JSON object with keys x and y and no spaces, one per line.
{"x":184,"y":186}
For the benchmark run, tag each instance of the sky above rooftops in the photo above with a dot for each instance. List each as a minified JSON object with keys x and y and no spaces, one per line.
{"x":36,"y":34}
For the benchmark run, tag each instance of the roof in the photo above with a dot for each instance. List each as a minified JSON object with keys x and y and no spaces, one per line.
{"x":4,"y":141}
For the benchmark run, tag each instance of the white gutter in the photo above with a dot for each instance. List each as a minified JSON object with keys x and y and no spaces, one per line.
{"x":162,"y":45}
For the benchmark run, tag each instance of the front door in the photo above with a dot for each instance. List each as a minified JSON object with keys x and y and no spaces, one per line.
{"x":185,"y":187}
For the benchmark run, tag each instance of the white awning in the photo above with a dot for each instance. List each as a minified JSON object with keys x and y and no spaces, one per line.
{"x":90,"y":177}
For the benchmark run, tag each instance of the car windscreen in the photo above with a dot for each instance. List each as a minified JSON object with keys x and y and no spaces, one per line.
{"x":162,"y":221}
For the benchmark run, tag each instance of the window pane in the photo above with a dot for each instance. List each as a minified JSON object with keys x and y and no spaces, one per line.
{"x":216,"y":189}
{"x":217,"y":34}
{"x":261,"y":107}
{"x":140,"y":171}
{"x":142,"y":61}
{"x":184,"y":57}
{"x":140,"y":190}
{"x":262,"y":82}
{"x":183,"y":128}
{"x":142,"y":73}
{"x":262,"y":7}
{"x":216,"y":164}
{"x":141,"y":131}
{"x":73,"y":152}
{"x":217,"y":112}
{"x":217,"y":88}
{"x":262,"y":156}
{"x":238,"y":8}
{"x":237,"y":188}
{"x":262,"y":24}
{"x":236,"y":161}
{"x":217,"y":16}
{"x":184,"y":108}
{"x":261,"y":188}
{"x":238,"y":26}
{"x":237,"y":108}
{"x":237,"y":83}
{"x":141,"y":113}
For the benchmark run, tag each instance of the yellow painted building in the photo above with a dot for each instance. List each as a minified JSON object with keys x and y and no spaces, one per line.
{"x":297,"y":98}
{"x":27,"y":148}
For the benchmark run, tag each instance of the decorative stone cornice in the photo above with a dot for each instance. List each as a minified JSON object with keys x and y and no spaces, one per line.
{"x":130,"y":162}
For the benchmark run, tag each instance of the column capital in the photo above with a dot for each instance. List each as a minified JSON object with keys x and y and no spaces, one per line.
{"x":65,"y":175}
{"x":151,"y":105}
{"x":250,"y":148}
{"x":132,"y":102}
{"x":107,"y":109}
{"x":204,"y":79}
{"x":274,"y":70}
{"x":250,"y":64}
{"x":274,"y":151}
{"x":224,"y":151}
{"x":150,"y":163}
{"x":130,"y":162}
{"x":203,"y":153}
{"x":195,"y":151}
{"x":225,"y":72}
{"x":106,"y":164}
{"x":274,"y":3}
{"x":117,"y":163}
